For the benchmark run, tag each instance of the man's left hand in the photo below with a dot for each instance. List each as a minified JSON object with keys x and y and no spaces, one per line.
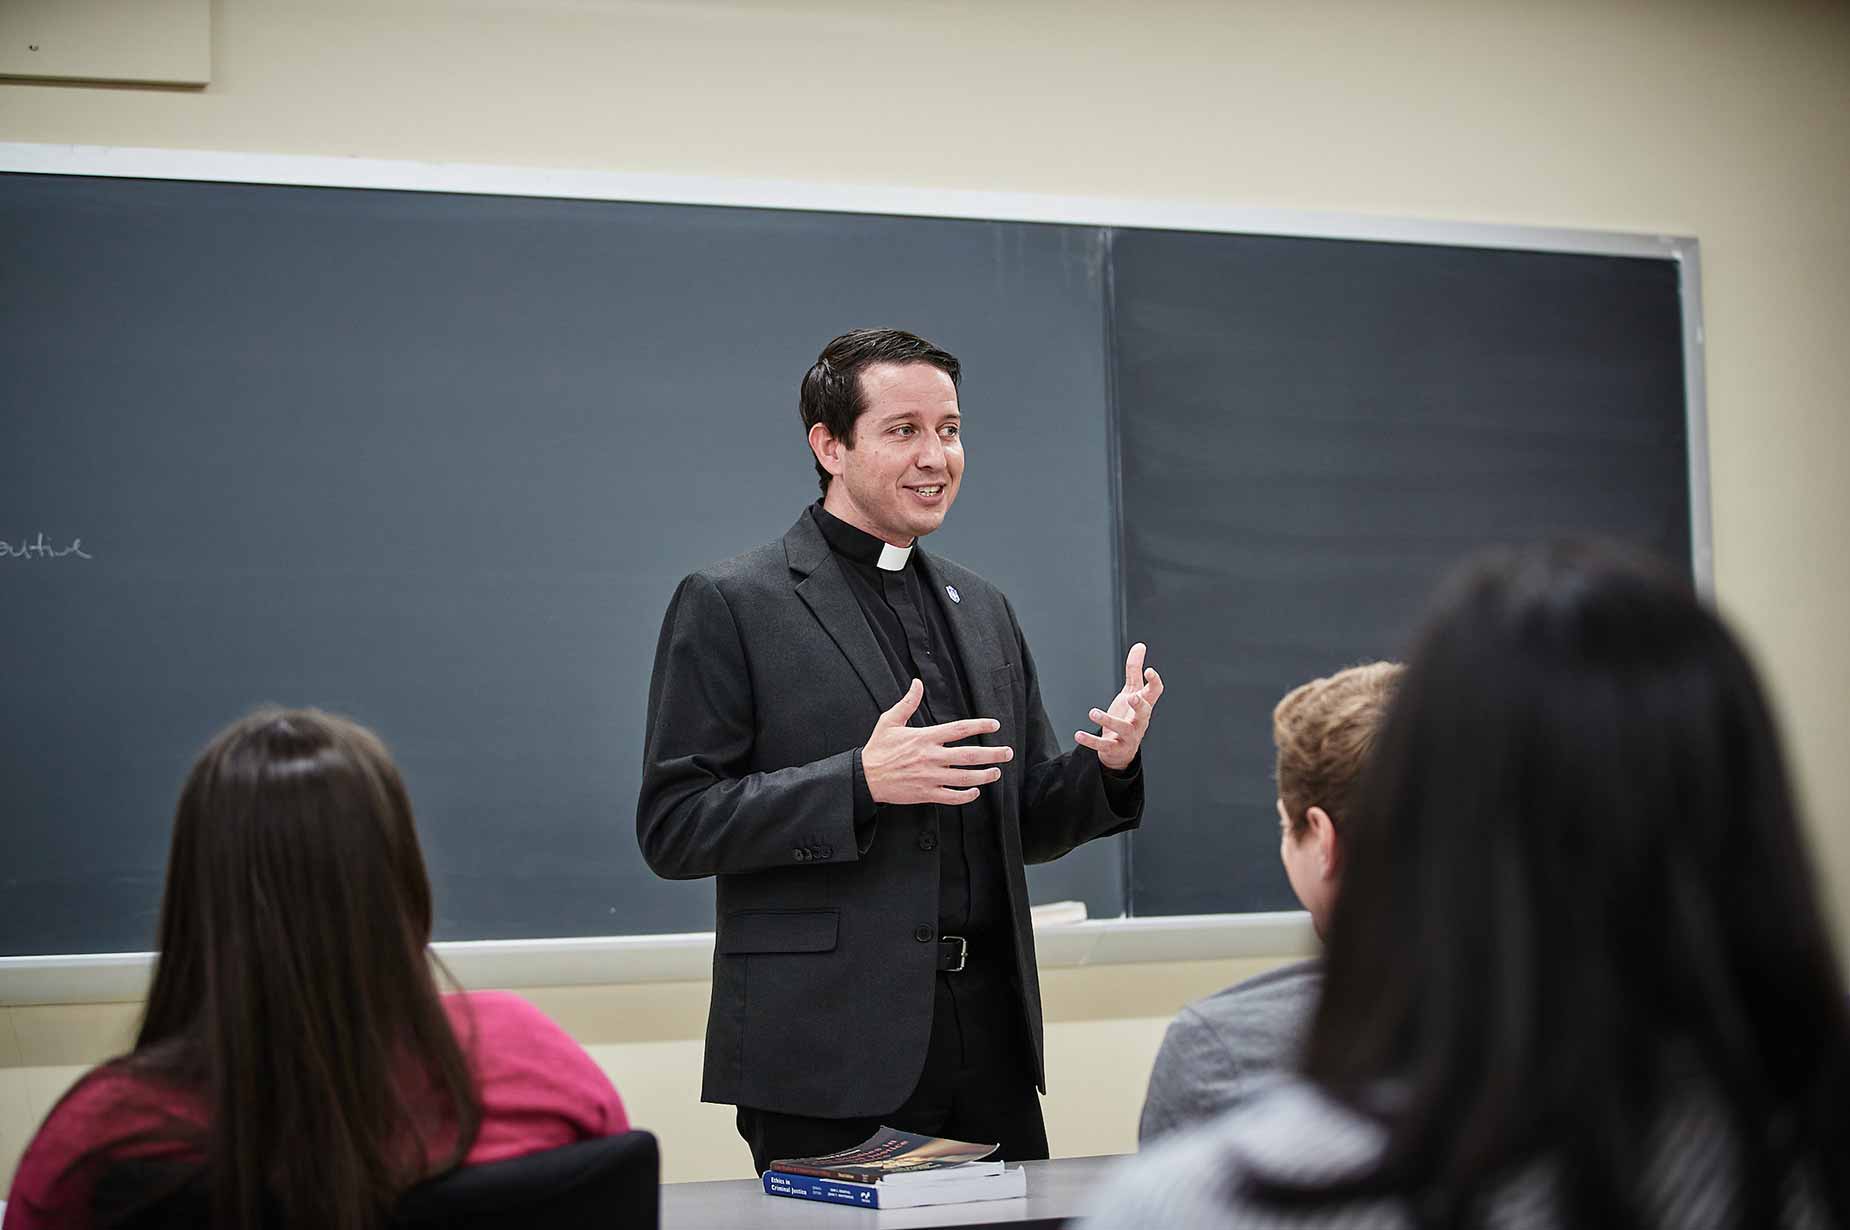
{"x":1122,"y":725}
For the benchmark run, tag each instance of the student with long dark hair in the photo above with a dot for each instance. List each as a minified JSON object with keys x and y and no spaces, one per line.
{"x":1578,"y":974}
{"x":296,"y":1062}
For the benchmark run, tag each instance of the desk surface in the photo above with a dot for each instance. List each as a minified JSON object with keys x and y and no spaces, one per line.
{"x":1057,"y":1190}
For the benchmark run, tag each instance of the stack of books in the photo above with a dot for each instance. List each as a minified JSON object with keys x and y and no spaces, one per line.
{"x":898,"y":1170}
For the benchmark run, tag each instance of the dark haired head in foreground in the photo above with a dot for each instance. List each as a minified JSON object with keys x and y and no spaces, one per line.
{"x":293,"y":973}
{"x":296,"y":1066}
{"x":292,"y":989}
{"x":1578,"y":970}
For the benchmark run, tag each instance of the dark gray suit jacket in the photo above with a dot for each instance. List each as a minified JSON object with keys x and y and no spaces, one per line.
{"x":767,"y":679}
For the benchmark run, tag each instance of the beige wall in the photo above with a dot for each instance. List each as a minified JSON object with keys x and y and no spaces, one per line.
{"x":1729,"y":121}
{"x":1103,"y":1026}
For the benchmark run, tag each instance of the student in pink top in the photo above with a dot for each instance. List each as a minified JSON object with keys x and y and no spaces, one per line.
{"x":295,"y":1054}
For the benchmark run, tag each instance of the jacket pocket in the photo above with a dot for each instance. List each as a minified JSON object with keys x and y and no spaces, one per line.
{"x":744,"y":931}
{"x":1007,"y":710}
{"x":1002,"y":679}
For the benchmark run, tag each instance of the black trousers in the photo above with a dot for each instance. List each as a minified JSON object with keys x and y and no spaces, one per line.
{"x":978,"y":1085}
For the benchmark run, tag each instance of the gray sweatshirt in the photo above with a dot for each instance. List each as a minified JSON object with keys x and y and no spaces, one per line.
{"x":1225,"y":1048}
{"x":1194,"y":1180}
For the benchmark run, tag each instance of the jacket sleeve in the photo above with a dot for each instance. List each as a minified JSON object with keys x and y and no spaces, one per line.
{"x":1066,"y":800}
{"x":702,"y":812}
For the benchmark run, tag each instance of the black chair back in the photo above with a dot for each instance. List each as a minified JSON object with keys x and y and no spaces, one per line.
{"x":609,"y":1184}
{"x":149,"y":1194}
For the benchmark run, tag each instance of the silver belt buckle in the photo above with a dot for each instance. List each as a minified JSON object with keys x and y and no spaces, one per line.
{"x":963,"y":952}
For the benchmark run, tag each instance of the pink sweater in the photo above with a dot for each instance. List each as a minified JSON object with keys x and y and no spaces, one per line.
{"x":539,"y":1090}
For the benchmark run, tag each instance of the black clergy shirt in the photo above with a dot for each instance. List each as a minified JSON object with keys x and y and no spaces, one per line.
{"x":913,"y":632}
{"x":915,"y":639}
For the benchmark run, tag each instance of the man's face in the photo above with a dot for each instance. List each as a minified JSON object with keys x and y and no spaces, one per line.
{"x":902,"y":474}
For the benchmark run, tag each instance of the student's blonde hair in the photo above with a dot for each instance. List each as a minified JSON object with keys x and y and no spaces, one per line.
{"x":1324,"y":731}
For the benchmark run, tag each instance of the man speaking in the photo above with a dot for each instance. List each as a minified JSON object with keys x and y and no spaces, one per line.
{"x":849,"y":735}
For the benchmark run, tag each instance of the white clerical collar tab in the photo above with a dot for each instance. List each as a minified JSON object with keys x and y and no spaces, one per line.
{"x":893,"y":558}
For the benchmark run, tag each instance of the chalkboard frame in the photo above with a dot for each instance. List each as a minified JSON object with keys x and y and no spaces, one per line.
{"x":317,"y":171}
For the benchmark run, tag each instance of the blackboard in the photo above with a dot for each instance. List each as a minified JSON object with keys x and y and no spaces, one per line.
{"x":437,"y":459}
{"x":1311,"y":432}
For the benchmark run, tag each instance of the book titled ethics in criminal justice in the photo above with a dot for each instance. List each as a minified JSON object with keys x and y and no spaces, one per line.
{"x":898,"y":1170}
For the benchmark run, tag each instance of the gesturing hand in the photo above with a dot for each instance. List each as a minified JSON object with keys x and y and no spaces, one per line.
{"x":911,"y":764}
{"x":1121,"y":727}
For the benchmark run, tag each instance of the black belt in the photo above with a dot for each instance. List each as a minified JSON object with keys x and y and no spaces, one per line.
{"x":953,"y":950}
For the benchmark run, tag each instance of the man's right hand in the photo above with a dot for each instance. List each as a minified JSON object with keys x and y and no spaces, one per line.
{"x":911,"y":764}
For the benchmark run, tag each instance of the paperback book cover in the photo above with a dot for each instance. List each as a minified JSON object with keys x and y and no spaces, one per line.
{"x":893,"y":1170}
{"x":889,"y":1153}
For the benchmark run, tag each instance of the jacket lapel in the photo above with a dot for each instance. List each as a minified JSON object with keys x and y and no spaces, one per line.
{"x":824,"y":589}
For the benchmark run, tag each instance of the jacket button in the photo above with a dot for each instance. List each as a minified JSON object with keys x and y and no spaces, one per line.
{"x":928,"y":841}
{"x":828,"y":852}
{"x":801,"y":855}
{"x":922,"y":934}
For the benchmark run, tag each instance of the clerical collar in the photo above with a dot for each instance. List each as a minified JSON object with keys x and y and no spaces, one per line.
{"x":857,"y":544}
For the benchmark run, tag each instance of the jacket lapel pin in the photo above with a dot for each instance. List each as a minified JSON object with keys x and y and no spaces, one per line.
{"x":952,"y":591}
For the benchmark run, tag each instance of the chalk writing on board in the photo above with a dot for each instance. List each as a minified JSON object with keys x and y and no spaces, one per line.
{"x":39,"y":548}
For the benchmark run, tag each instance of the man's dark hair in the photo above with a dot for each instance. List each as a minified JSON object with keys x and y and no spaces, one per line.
{"x":1577,"y":902}
{"x":831,"y":389}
